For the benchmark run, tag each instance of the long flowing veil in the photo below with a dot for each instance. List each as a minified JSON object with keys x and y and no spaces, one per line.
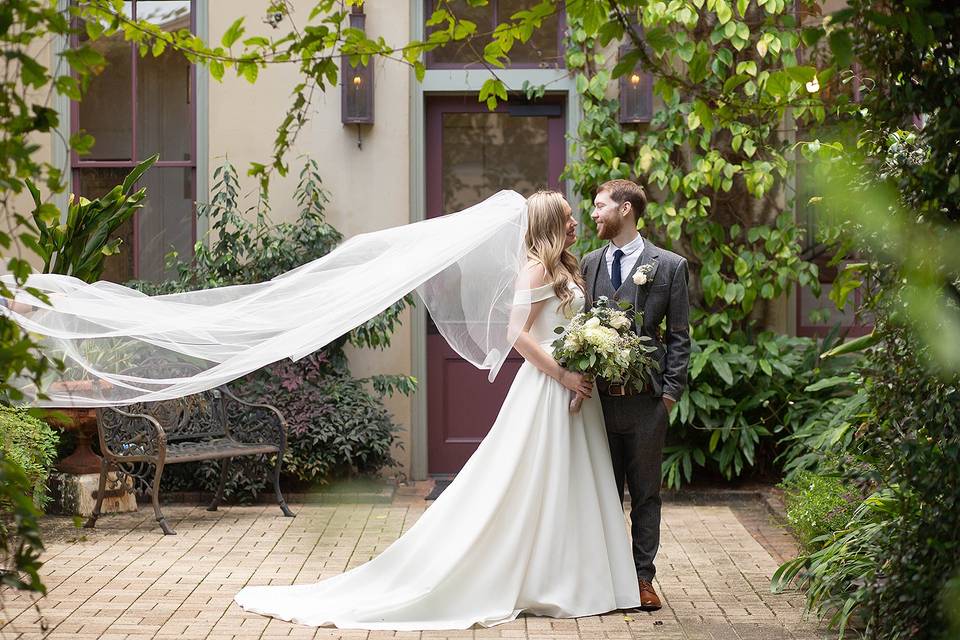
{"x":464,"y":267}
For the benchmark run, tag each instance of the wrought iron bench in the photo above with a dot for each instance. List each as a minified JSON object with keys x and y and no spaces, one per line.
{"x":213,"y":425}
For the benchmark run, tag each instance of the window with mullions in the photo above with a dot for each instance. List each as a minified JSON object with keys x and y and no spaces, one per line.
{"x":136,"y":107}
{"x":543,"y":50}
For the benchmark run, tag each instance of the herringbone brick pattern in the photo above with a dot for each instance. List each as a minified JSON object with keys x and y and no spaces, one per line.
{"x":126,"y":581}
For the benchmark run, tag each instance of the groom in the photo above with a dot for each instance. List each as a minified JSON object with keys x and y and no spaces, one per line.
{"x":631,"y":268}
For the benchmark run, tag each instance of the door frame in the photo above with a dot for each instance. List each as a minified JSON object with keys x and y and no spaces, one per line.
{"x":452,"y":451}
{"x":452,"y":82}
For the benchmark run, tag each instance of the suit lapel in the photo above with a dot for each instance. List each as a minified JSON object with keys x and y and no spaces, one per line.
{"x":628,"y":277}
{"x":650,"y":256}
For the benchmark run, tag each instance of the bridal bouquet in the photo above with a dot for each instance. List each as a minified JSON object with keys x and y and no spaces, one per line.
{"x":600,"y":343}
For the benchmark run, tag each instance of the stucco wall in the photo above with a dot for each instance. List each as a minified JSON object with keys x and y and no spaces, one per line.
{"x":368,"y":186}
{"x":50,"y":149}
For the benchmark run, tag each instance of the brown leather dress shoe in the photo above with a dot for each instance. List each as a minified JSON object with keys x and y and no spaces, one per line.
{"x":649,"y":601}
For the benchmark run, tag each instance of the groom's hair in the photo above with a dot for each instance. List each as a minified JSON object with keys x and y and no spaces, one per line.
{"x":626,"y":191}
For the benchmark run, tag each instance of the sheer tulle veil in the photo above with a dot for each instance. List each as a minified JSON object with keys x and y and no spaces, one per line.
{"x":464,"y":267}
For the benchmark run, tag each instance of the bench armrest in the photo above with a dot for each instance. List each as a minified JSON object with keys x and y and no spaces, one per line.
{"x":128,"y":435}
{"x":253,"y":422}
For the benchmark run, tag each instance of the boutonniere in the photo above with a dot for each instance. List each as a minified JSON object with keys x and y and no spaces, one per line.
{"x":642,"y":274}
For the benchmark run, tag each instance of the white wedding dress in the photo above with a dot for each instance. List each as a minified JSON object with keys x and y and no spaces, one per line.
{"x":531,"y":524}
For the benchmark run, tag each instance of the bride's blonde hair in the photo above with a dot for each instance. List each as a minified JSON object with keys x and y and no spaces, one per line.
{"x":546,"y":222}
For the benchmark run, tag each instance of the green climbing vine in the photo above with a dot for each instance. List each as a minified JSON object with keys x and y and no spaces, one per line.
{"x":717,"y":161}
{"x":716,"y":156}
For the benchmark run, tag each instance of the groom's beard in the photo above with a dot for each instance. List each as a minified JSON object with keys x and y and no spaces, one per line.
{"x":609,"y":230}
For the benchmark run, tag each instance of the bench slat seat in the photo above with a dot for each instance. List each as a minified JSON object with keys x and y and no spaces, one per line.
{"x":215,"y":449}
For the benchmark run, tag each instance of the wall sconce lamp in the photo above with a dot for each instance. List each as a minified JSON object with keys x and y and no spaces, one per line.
{"x":356,"y":84}
{"x":636,"y":94}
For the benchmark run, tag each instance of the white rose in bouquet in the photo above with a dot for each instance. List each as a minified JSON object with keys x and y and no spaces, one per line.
{"x":619,"y":321}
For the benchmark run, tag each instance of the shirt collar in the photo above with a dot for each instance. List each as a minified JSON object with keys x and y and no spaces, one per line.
{"x":634,"y":245}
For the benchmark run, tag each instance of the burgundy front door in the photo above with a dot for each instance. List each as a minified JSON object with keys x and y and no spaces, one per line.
{"x":471,"y":154}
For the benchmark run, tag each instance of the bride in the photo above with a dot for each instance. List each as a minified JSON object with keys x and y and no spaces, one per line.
{"x":531,"y":524}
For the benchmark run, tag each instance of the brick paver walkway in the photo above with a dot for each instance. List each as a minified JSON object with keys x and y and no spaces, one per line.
{"x":125,"y":580}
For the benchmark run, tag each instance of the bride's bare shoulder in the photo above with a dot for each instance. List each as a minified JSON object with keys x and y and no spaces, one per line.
{"x":536,"y":274}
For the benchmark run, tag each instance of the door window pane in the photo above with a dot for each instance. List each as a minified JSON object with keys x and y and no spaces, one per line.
{"x":485,"y":152}
{"x":543,"y":47}
{"x":541,"y":50}
{"x":164,"y":91}
{"x":106,"y":111}
{"x":471,"y":49}
{"x":166,"y":220}
{"x":821,"y":313}
{"x":164,"y":224}
{"x":137,"y":107}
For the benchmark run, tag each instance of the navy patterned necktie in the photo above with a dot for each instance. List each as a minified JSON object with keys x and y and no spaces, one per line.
{"x":615,"y":277}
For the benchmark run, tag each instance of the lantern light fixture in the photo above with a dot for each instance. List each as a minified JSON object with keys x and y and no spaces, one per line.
{"x":356,"y":86}
{"x":636,"y":94}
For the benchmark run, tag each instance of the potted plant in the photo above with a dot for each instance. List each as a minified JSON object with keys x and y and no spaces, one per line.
{"x":77,"y":246}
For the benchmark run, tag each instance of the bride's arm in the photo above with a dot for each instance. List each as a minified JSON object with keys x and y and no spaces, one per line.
{"x":533,"y":353}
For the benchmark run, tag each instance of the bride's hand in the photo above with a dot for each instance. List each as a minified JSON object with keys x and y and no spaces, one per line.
{"x":577,"y":382}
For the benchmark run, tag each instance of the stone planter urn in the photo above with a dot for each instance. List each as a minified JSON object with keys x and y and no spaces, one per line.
{"x":83,"y":421}
{"x":79,"y":473}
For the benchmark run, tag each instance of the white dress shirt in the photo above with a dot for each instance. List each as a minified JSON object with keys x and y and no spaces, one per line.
{"x":631,"y":253}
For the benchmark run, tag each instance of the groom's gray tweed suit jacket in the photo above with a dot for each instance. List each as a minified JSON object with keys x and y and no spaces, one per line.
{"x":663,"y":296}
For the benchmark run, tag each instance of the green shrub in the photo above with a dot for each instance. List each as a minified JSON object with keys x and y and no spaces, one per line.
{"x":823,"y":435}
{"x":747,"y":396}
{"x":915,"y":439}
{"x":817,"y":505}
{"x":890,"y":567}
{"x":336,"y":427}
{"x":31,"y":444}
{"x":906,"y":440}
{"x":20,"y":543}
{"x":898,"y":219}
{"x":951,"y":604}
{"x":737,"y":390}
{"x":838,"y":576}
